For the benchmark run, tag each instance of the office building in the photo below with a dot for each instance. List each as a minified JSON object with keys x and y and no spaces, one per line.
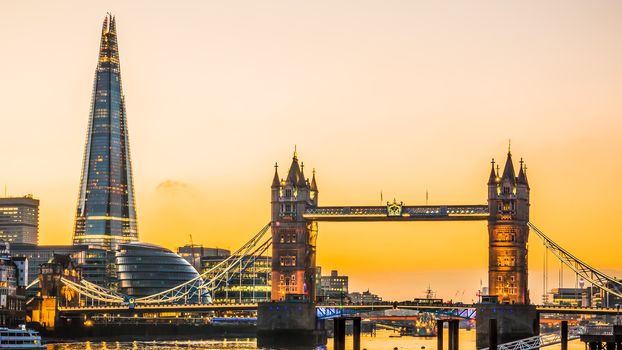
{"x":248,"y":281}
{"x":144,"y":269}
{"x":568,"y":296}
{"x":193,"y":254}
{"x":364,"y":298}
{"x":106,"y":212}
{"x":19,"y":220}
{"x":334,"y":287}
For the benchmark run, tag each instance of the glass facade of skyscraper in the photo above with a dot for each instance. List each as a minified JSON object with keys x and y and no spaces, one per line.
{"x":106,"y":213}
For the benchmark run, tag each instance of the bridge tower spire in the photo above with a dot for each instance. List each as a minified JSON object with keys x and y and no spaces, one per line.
{"x":508,"y":203}
{"x":293,"y":237}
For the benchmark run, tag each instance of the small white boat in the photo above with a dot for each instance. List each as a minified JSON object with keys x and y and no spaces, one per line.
{"x":20,"y":338}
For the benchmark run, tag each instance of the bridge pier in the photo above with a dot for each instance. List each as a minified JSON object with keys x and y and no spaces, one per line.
{"x":288,"y":323}
{"x":439,"y":335}
{"x":453,"y":330}
{"x":514,"y":322}
{"x":356,"y":333}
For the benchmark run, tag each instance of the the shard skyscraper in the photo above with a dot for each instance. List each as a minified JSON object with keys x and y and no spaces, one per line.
{"x":106,"y":213}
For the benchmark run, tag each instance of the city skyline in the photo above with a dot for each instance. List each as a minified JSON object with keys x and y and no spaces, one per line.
{"x":366,"y":137}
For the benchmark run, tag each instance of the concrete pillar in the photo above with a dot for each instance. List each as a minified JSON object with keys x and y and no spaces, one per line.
{"x":439,"y":334}
{"x":617,"y":333}
{"x":340,"y":333}
{"x":611,"y":346}
{"x":454,"y":326}
{"x":492,"y":334}
{"x":564,"y":335}
{"x":356,"y":333}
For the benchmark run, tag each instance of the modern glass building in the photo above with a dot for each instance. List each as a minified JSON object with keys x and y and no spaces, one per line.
{"x":19,"y":220}
{"x":249,"y":281}
{"x":106,"y":212}
{"x":145,"y":269}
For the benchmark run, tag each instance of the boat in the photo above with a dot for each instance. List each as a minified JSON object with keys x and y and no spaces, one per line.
{"x":20,"y":338}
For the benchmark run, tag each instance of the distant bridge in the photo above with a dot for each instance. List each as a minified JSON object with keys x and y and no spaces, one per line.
{"x":466,"y":311}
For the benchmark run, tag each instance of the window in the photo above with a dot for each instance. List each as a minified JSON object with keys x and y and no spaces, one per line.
{"x":288,"y":193}
{"x":287,"y":260}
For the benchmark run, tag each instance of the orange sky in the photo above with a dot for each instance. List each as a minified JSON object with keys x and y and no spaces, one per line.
{"x":398,"y":96}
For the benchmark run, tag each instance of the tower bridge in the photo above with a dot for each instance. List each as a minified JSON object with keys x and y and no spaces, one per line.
{"x":293,"y":235}
{"x":296,"y":213}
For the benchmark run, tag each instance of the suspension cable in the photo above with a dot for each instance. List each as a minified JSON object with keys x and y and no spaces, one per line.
{"x":178,"y":291}
{"x":584,"y":270}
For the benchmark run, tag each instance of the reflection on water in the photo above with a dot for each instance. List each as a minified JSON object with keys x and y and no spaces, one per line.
{"x":384,"y":340}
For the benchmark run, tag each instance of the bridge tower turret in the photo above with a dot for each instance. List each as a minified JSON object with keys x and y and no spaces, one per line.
{"x":508,"y":203}
{"x":293,"y":237}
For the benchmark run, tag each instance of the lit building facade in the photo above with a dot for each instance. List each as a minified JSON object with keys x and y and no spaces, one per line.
{"x":508,"y":203}
{"x":12,"y":299}
{"x":193,"y":254}
{"x":568,"y":296}
{"x":293,"y":238}
{"x":19,"y":220}
{"x":106,"y":212}
{"x":144,"y":269}
{"x":247,"y":282}
{"x":364,"y":298}
{"x":38,"y":255}
{"x":334,"y":287}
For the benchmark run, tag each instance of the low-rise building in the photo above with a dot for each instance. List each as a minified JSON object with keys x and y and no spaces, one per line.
{"x":568,"y":296}
{"x":12,"y":299}
{"x":193,"y":253}
{"x":40,"y":254}
{"x":247,"y":281}
{"x":364,"y":298}
{"x":333,"y":287}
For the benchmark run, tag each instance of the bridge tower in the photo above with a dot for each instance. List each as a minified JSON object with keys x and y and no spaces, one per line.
{"x":293,"y":237}
{"x":290,"y":319}
{"x":508,"y":204}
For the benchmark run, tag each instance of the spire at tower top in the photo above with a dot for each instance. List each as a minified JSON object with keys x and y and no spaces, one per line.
{"x":302,"y":182}
{"x":492,"y":179}
{"x":113,"y":25}
{"x":295,"y":152}
{"x":508,"y":170}
{"x":294,"y":175}
{"x":275,"y":181}
{"x":509,"y":146}
{"x":522,"y":174}
{"x":108,"y":49}
{"x":313,"y":183}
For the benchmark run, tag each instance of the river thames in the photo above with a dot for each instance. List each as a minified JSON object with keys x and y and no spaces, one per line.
{"x":383,"y":340}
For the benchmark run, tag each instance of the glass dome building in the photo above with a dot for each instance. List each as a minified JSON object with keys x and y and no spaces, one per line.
{"x":145,"y":269}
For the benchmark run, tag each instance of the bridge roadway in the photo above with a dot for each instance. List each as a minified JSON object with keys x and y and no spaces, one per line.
{"x":543,"y":309}
{"x":399,"y":212}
